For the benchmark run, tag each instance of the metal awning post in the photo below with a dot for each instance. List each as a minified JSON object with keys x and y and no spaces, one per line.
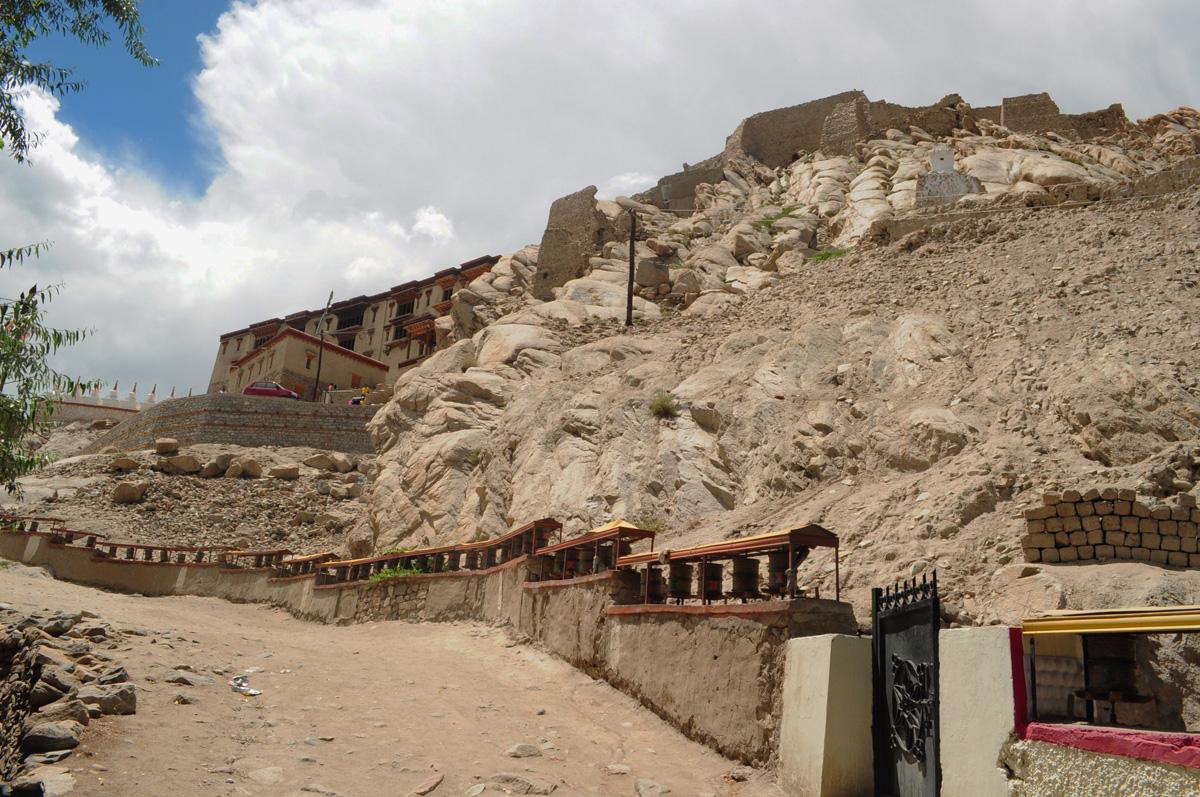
{"x":837,"y":574}
{"x":791,"y":574}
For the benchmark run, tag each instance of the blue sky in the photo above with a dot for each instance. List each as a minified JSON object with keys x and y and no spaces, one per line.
{"x":145,"y":118}
{"x":301,"y":146}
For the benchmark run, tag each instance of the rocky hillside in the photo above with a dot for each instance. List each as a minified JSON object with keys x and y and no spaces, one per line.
{"x":913,"y":394}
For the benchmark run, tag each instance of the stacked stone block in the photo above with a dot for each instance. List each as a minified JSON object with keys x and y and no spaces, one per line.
{"x":18,"y":674}
{"x":245,"y":421}
{"x":1111,"y":523}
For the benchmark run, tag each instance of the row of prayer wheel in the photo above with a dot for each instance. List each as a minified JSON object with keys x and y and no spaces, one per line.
{"x":706,"y":581}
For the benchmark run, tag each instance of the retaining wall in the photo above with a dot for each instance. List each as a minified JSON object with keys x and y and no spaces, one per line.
{"x":244,"y":421}
{"x":1111,"y":523}
{"x":18,"y":674}
{"x":715,"y":672}
{"x":1040,"y":769}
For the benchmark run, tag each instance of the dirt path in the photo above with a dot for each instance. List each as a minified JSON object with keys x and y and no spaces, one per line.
{"x":359,"y":711}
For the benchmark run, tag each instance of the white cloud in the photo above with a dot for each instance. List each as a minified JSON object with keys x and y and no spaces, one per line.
{"x":626,"y":183}
{"x":433,"y":224}
{"x":366,"y":142}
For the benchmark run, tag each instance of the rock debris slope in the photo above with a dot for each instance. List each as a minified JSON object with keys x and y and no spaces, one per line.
{"x":913,"y":395}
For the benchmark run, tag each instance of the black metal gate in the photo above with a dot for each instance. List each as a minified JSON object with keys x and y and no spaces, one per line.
{"x":904,"y":625}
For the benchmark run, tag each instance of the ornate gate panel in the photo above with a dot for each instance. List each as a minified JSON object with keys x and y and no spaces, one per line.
{"x":904,"y":622}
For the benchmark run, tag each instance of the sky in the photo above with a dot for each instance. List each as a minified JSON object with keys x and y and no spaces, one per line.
{"x":286,"y":148}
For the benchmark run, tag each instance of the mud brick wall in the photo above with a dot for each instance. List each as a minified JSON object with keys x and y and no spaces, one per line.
{"x":245,"y":421}
{"x":1111,"y":523}
{"x":18,"y":674}
{"x":1033,"y":113}
{"x":772,"y":136}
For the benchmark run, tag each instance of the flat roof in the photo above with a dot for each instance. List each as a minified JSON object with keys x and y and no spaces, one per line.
{"x":411,"y":284}
{"x":1133,"y":620}
{"x":810,"y":536}
{"x":328,"y":345}
{"x":462,"y":547}
{"x":609,"y":531}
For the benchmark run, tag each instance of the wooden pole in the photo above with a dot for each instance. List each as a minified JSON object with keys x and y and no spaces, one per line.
{"x":321,"y":346}
{"x":629,"y":292}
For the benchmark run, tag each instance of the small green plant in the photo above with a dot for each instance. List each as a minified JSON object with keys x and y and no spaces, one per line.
{"x":663,"y":405}
{"x":767,"y":222}
{"x":399,"y":571}
{"x":828,"y":254}
{"x":651,"y":523}
{"x":474,"y":456}
{"x":393,"y":551}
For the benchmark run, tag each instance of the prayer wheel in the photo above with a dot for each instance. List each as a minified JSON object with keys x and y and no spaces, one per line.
{"x":602,"y":560}
{"x":584,"y":563}
{"x":777,"y":572}
{"x":745,"y":576}
{"x":454,"y":559}
{"x":712,"y":577}
{"x":680,"y":584}
{"x":570,"y":563}
{"x":625,"y":587}
{"x":652,"y":584}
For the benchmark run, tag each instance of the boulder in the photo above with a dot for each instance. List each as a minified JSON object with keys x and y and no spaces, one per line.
{"x":113,"y":675}
{"x":110,"y":698}
{"x":44,"y":694}
{"x":129,"y":492}
{"x":179,"y":465}
{"x":216,"y":466}
{"x":340,"y":462}
{"x":123,"y":465}
{"x":321,"y":461}
{"x":75,"y":710}
{"x":651,"y":273}
{"x":60,"y":679}
{"x":711,"y":303}
{"x":244,"y":467}
{"x":512,"y":783}
{"x":501,"y":343}
{"x":46,"y":737}
{"x":187,"y":678}
{"x":166,"y":446}
{"x":287,"y":472}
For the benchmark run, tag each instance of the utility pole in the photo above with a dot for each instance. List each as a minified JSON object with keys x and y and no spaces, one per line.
{"x":629,"y":292}
{"x":321,"y":348}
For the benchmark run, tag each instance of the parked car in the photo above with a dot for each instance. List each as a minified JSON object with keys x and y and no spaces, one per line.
{"x":269,"y":389}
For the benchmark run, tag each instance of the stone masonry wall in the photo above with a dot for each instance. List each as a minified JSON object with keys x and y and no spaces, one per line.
{"x":1039,"y":769}
{"x":18,"y":674}
{"x":773,"y":136}
{"x":845,"y":125}
{"x":1033,"y":113}
{"x":245,"y":421}
{"x":575,"y":229}
{"x":1111,"y":523}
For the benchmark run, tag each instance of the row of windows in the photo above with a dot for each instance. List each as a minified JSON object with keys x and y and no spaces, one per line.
{"x":396,"y":310}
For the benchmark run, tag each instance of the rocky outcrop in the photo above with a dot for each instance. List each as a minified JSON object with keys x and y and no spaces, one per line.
{"x":893,"y":394}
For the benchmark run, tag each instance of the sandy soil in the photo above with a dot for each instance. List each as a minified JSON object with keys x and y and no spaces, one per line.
{"x":359,"y":711}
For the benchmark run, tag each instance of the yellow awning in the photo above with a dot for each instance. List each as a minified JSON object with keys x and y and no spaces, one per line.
{"x":1142,"y":620}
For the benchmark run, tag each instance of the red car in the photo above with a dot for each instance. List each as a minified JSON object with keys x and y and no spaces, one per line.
{"x":269,"y":389}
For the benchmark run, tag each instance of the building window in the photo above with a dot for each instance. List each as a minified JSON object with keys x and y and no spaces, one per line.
{"x":239,"y":345}
{"x":308,"y":360}
{"x":405,"y":308}
{"x":258,"y":342}
{"x":224,"y":346}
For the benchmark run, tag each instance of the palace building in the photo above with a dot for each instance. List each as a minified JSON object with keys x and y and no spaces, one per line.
{"x":364,"y":342}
